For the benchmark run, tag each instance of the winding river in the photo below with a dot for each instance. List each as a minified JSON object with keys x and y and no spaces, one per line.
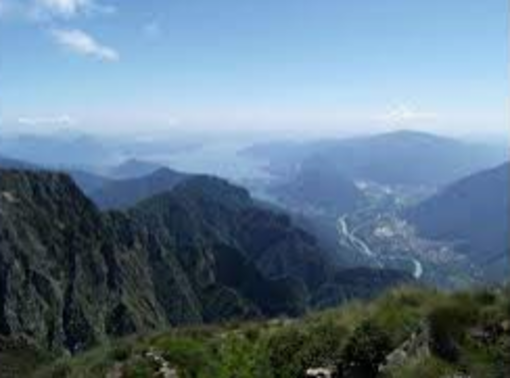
{"x":362,"y":247}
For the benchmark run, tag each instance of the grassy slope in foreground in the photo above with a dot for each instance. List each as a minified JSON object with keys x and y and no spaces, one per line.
{"x":444,"y":334}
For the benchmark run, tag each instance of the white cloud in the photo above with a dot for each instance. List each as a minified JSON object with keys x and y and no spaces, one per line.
{"x":79,"y":42}
{"x":69,"y":8}
{"x":63,"y":119}
{"x":66,"y":8}
{"x":404,"y":114}
{"x":38,"y":11}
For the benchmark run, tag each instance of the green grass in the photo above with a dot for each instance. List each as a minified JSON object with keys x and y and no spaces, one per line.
{"x":429,"y":367}
{"x":357,"y":334}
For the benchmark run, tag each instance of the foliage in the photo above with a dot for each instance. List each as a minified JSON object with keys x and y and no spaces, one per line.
{"x":366,"y":349}
{"x":430,"y":367}
{"x":465,"y":331}
{"x":448,"y":323}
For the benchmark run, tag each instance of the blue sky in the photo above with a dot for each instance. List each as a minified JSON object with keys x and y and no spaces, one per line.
{"x":327,"y":65}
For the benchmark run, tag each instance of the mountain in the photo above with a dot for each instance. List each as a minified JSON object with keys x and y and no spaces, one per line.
{"x":406,"y":158}
{"x":320,"y":189}
{"x":88,"y":182}
{"x":7,"y":163}
{"x":283,"y":159}
{"x":117,"y":194}
{"x":395,"y":158}
{"x":474,"y":212}
{"x":56,"y":150}
{"x":219,"y":213}
{"x":71,"y":276}
{"x":133,"y":168}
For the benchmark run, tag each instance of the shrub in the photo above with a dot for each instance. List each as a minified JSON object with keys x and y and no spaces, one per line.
{"x":241,"y":357}
{"x":61,"y":370}
{"x":121,"y":352}
{"x":139,"y":368}
{"x":324,"y":345}
{"x":283,"y":350}
{"x":191,"y":356}
{"x":485,"y":297}
{"x":366,"y":349}
{"x":448,"y":324}
{"x":429,"y":367}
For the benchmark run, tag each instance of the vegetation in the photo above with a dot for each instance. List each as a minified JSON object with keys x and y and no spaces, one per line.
{"x":464,"y":333}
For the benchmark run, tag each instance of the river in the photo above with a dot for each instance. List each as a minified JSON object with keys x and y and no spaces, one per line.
{"x":362,"y":247}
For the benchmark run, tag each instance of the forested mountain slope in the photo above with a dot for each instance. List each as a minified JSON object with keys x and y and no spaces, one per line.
{"x":71,"y":276}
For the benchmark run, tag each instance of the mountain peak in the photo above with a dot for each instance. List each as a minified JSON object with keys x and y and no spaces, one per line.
{"x":413,"y":136}
{"x":214,"y":189}
{"x":133,"y":167}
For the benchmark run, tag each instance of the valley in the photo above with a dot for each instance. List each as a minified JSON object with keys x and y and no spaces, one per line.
{"x":383,"y":234}
{"x":391,"y":242}
{"x":380,"y":232}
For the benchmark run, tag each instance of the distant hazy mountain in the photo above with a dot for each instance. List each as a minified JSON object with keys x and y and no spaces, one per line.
{"x":117,"y":194}
{"x":56,"y":150}
{"x":475,"y":212}
{"x":7,"y":163}
{"x":407,"y":158}
{"x":88,"y":182}
{"x":284,"y":158}
{"x":71,"y":276}
{"x":133,"y":168}
{"x":404,"y":157}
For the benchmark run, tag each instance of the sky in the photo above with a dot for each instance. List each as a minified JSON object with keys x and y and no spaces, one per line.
{"x":299,"y":66}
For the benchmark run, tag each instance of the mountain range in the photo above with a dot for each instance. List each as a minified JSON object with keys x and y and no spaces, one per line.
{"x":72,"y":276}
{"x":397,"y":158}
{"x":67,"y":149}
{"x":13,"y":163}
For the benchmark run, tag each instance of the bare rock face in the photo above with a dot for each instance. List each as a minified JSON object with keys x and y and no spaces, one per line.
{"x":62,"y":278}
{"x":416,"y":347}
